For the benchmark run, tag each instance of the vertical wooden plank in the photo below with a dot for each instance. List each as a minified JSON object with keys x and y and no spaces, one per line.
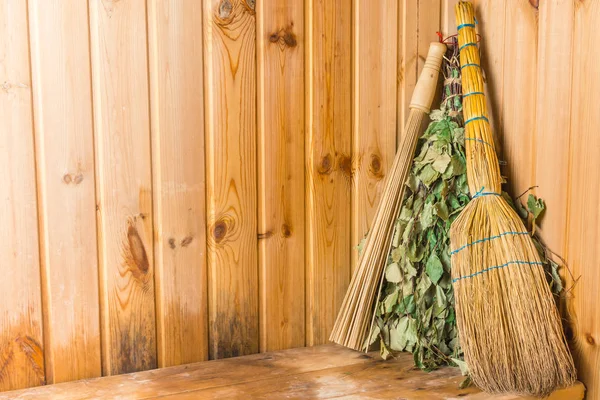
{"x":492,"y":15}
{"x":519,"y":94}
{"x":374,"y":108}
{"x":328,"y":163}
{"x":429,"y":22}
{"x":280,"y":40}
{"x":21,"y":354}
{"x":66,"y":186}
{"x":230,"y":71}
{"x":420,"y":21}
{"x":448,"y":19}
{"x":408,"y":53}
{"x":124,"y":185}
{"x":177,"y":112}
{"x":553,"y":117}
{"x":584,"y":195}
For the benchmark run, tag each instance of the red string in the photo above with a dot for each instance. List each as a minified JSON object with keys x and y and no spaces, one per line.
{"x":448,"y":41}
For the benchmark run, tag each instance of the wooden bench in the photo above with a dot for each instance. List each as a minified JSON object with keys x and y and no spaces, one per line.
{"x":322,"y":372}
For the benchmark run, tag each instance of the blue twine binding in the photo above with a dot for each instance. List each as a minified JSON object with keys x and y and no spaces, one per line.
{"x":480,"y":193}
{"x":472,"y":93}
{"x":482,"y":117}
{"x":486,"y":240}
{"x":480,"y":141}
{"x":470,"y":65}
{"x":467,"y":45}
{"x":458,"y":28}
{"x":519,"y":262}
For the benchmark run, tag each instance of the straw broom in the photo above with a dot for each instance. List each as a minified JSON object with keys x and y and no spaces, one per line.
{"x":509,"y":327}
{"x":353,"y":322}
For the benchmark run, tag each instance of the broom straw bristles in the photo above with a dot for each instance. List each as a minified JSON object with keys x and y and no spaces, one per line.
{"x":509,"y":326}
{"x":354,"y":320}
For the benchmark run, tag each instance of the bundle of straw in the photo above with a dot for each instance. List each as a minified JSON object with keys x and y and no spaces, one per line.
{"x":509,"y":326}
{"x":353,"y":322}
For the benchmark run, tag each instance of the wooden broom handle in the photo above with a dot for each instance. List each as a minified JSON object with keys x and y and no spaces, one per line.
{"x":427,"y":83}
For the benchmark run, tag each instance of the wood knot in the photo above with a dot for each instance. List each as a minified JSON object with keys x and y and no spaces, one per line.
{"x":590,"y":339}
{"x":251,"y":4}
{"x":326,"y":166}
{"x":375,"y":166}
{"x":225,"y":9}
{"x":172,"y":244}
{"x":187,"y":240}
{"x":290,"y":39}
{"x":345,"y":165}
{"x":284,"y":37}
{"x":535,"y":3}
{"x":220,"y":230}
{"x":75,"y":179}
{"x":137,"y":252}
{"x":286,"y":231}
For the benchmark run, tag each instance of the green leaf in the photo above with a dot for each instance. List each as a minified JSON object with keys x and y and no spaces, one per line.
{"x":441,"y":163}
{"x":442,"y":210}
{"x":409,"y":269}
{"x":426,"y":216}
{"x":398,"y":339}
{"x":408,"y":230}
{"x":556,"y":280}
{"x":407,"y":305}
{"x":412,"y":182}
{"x":397,"y":253}
{"x":437,"y":115}
{"x":428,"y":175}
{"x":535,"y":206}
{"x":383,"y":351}
{"x":392,"y":273}
{"x":434,"y":268}
{"x":391,"y":300}
{"x":522,"y":211}
{"x":374,"y":334}
{"x":464,"y":369}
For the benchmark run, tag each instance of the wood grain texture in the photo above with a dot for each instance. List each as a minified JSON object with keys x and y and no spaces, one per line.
{"x":553,"y":117}
{"x":492,"y":15}
{"x":66,"y":188}
{"x":177,"y":108}
{"x":280,"y":46}
{"x":447,"y":18}
{"x":408,"y":53}
{"x":21,"y":352}
{"x":328,"y":163}
{"x":230,"y":77}
{"x":584,"y":196}
{"x":519,"y":95}
{"x":124,"y":185}
{"x":323,"y":372}
{"x":374,"y":108}
{"x":429,"y":22}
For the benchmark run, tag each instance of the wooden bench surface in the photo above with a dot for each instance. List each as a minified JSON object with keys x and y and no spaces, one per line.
{"x":322,"y":372}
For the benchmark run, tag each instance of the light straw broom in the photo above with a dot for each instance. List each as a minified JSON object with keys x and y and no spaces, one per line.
{"x":509,"y":326}
{"x":353,"y":322}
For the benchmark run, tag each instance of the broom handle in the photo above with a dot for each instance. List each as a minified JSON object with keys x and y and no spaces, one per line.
{"x":427,"y":83}
{"x":483,"y":168}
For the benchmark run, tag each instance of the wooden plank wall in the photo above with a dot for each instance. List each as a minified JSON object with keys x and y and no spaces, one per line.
{"x":185,"y":180}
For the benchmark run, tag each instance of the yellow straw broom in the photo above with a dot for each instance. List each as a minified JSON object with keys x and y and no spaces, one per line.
{"x":356,"y":314}
{"x":509,"y":326}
